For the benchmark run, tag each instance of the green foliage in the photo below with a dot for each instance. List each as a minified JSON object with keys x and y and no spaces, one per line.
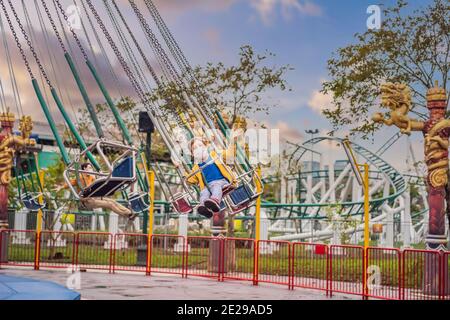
{"x":411,"y":48}
{"x":237,"y":89}
{"x":340,"y":222}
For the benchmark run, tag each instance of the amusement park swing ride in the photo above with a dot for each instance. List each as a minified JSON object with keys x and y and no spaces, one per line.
{"x":123,"y":169}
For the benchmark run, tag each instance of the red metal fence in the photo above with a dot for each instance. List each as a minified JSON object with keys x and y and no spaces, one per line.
{"x":130,"y":252}
{"x":167,"y":254}
{"x":310,"y":266}
{"x":273,"y":259}
{"x":57,"y":249}
{"x":204,"y":256}
{"x":379,"y":273}
{"x":383,"y":273}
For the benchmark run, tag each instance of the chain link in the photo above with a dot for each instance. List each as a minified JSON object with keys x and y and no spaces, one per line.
{"x":119,"y":56}
{"x":52,"y":22}
{"x":136,"y":43}
{"x":16,"y":39}
{"x":178,"y":54}
{"x":74,"y":34}
{"x":27,"y":39}
{"x":155,"y":43}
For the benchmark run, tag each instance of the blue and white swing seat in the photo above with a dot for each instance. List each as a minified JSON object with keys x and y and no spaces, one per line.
{"x":31,"y":201}
{"x":120,"y":173}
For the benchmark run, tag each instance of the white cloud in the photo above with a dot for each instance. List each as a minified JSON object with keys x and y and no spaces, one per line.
{"x":267,"y":8}
{"x":320,"y":101}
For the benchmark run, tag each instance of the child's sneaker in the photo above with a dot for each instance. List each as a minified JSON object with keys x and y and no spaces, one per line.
{"x":213,"y":205}
{"x":204,"y":212}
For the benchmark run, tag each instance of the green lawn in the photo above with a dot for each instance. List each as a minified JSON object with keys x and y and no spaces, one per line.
{"x":307,"y":264}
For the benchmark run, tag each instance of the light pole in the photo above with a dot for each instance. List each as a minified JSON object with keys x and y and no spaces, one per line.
{"x":312,"y":133}
{"x":363,"y":180}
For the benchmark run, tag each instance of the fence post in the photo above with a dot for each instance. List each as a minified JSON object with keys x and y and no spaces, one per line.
{"x":37,"y":249}
{"x":112,"y":258}
{"x":255,"y":262}
{"x":77,"y":244}
{"x":365,"y":262}
{"x":291,"y":266}
{"x":183,"y":260}
{"x":149,"y":254}
{"x":73,"y":250}
{"x":329,"y":275}
{"x":185,"y":256}
{"x":402,"y":276}
{"x":222,"y":256}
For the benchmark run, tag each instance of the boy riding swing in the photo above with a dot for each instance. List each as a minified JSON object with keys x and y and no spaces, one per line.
{"x":211,"y":174}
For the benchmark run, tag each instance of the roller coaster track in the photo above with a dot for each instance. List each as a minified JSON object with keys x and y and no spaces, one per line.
{"x":303,"y":210}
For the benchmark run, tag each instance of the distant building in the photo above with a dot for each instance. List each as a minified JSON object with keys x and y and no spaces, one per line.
{"x":310,"y":166}
{"x":340,"y":165}
{"x":49,"y":154}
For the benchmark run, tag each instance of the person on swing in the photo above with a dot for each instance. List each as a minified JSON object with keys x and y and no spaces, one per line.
{"x":210,"y":174}
{"x":87,"y":179}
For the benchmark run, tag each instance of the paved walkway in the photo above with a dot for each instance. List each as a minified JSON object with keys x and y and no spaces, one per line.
{"x":104,"y":286}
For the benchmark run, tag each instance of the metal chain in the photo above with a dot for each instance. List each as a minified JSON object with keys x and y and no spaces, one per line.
{"x":119,"y":56}
{"x":155,"y":43}
{"x":91,"y":47}
{"x":12,"y":74}
{"x":176,"y":51}
{"x":16,"y":39}
{"x":136,"y":43}
{"x":55,"y":29}
{"x":168,"y":37}
{"x":102,"y":49}
{"x":74,"y":34}
{"x":129,"y":52}
{"x":19,"y":46}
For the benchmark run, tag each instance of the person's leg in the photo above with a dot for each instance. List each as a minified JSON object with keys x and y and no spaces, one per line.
{"x":204,"y":195}
{"x":216,"y":188}
{"x":201,"y":209}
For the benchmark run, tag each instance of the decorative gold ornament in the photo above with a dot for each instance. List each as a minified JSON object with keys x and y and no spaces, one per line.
{"x":26,"y":126}
{"x":438,"y":178}
{"x":397,"y":97}
{"x":7,"y":117}
{"x":436,"y":93}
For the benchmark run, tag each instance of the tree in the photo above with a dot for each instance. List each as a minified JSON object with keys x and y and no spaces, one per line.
{"x":411,"y":48}
{"x":127,"y":109}
{"x":239,"y":89}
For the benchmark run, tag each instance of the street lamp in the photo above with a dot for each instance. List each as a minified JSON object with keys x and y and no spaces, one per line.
{"x":363,"y":180}
{"x":312,"y":133}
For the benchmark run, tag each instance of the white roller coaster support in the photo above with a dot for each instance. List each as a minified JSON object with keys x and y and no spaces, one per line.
{"x":20,"y":223}
{"x":330,"y":194}
{"x":387,"y":239}
{"x":183,"y":223}
{"x":324,"y":234}
{"x":406,"y":223}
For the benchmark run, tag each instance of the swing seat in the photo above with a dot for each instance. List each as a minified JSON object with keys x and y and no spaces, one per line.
{"x":31,"y":201}
{"x":181,"y":204}
{"x":138,"y":202}
{"x":223,"y":206}
{"x":121,"y":176}
{"x":227,"y":189}
{"x":241,"y":196}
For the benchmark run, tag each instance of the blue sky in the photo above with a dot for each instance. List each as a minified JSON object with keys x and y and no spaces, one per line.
{"x":302,"y":33}
{"x":304,"y":39}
